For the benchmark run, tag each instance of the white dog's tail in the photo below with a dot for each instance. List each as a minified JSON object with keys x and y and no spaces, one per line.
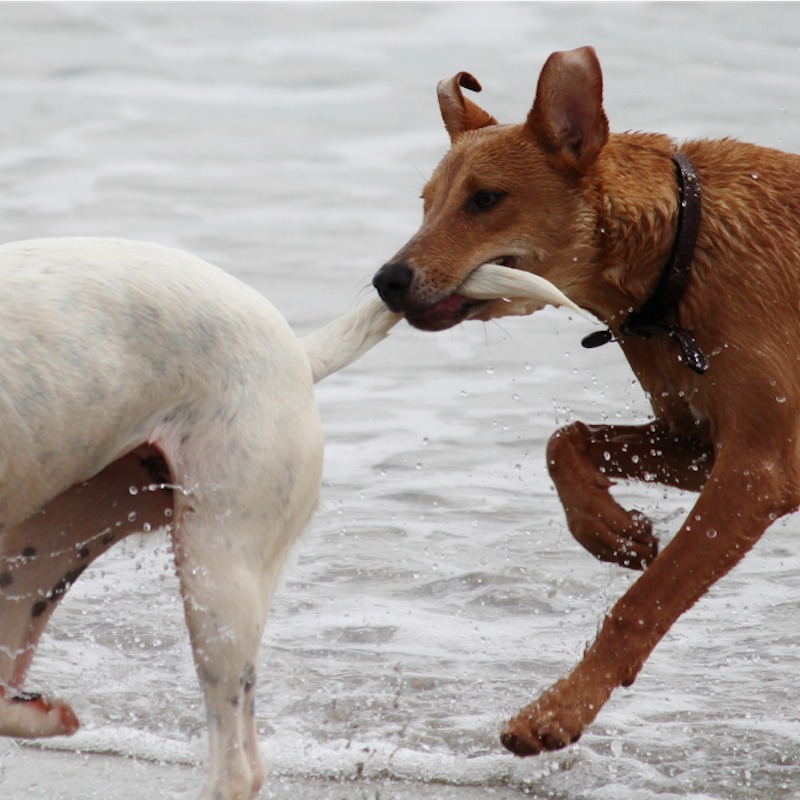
{"x":347,"y":338}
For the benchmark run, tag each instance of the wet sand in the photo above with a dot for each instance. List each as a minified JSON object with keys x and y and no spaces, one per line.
{"x":29,"y":773}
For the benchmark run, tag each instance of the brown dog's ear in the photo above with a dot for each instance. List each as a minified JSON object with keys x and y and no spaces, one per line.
{"x":567,"y":117}
{"x":458,"y":113}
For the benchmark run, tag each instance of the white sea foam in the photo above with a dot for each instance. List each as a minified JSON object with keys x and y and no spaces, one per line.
{"x":293,"y":755}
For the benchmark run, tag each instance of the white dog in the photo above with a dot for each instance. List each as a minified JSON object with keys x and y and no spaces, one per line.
{"x":141,"y":387}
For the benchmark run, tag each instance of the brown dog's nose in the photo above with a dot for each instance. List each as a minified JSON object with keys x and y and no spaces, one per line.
{"x":392,"y":282}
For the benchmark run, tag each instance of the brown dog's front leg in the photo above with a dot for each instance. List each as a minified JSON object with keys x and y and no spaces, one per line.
{"x":737,"y":504}
{"x":583,"y":459}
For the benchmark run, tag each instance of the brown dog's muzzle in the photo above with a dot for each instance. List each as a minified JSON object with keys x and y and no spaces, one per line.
{"x":392,"y":282}
{"x":398,"y":288}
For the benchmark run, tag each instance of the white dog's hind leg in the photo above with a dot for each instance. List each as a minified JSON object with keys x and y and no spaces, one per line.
{"x":226,"y":605}
{"x":227,"y":587}
{"x":42,"y":557}
{"x":255,"y":484}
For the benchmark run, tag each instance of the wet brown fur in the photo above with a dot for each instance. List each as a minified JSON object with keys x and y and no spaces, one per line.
{"x":596,"y":214}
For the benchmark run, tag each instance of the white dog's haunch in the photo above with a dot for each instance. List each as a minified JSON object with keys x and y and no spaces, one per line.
{"x":142,"y":387}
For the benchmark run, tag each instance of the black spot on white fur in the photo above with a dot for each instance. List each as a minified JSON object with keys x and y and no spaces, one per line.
{"x":58,"y":591}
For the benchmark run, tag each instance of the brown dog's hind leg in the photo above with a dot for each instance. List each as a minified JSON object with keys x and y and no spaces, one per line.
{"x":740,"y":500}
{"x":583,"y":459}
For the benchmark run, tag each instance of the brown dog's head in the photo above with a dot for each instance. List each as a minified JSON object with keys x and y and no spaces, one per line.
{"x":509,"y":194}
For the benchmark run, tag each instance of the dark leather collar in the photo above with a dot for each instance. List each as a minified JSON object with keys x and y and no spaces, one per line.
{"x":648,"y":320}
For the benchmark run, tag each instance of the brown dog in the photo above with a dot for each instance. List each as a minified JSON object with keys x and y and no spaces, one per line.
{"x":704,"y":306}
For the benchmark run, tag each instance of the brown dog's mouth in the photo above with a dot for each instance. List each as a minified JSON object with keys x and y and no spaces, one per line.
{"x":446,"y":313}
{"x":454,"y":308}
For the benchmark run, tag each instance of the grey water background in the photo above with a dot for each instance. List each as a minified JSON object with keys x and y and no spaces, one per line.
{"x":438,"y":590}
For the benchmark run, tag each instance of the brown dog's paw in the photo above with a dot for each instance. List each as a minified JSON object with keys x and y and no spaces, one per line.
{"x":560,"y":715}
{"x":612,"y":534}
{"x":539,"y":727}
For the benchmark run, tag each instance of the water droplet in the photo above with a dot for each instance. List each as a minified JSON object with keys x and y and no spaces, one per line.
{"x":515,"y":398}
{"x":490,"y":370}
{"x":418,"y":465}
{"x":132,"y":516}
{"x":781,"y":399}
{"x":133,"y":490}
{"x":711,"y":533}
{"x":425,"y":441}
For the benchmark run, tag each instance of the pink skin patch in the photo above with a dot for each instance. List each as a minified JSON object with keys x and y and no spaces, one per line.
{"x":39,"y":709}
{"x":69,"y":720}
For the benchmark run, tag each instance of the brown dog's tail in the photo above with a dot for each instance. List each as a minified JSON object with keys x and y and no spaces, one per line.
{"x":347,"y":338}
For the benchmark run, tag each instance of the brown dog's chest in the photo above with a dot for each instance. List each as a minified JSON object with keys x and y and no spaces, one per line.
{"x":675,"y":394}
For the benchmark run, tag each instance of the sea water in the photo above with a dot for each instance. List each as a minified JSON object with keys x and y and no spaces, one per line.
{"x":438,"y":589}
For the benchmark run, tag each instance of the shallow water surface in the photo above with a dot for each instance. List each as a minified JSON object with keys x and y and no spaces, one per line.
{"x":438,"y":589}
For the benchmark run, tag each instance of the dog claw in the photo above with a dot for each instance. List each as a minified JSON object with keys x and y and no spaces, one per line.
{"x":548,"y":737}
{"x":516,"y":745}
{"x":557,"y":719}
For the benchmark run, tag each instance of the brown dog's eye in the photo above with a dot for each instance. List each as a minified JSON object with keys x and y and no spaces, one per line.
{"x":483,"y":200}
